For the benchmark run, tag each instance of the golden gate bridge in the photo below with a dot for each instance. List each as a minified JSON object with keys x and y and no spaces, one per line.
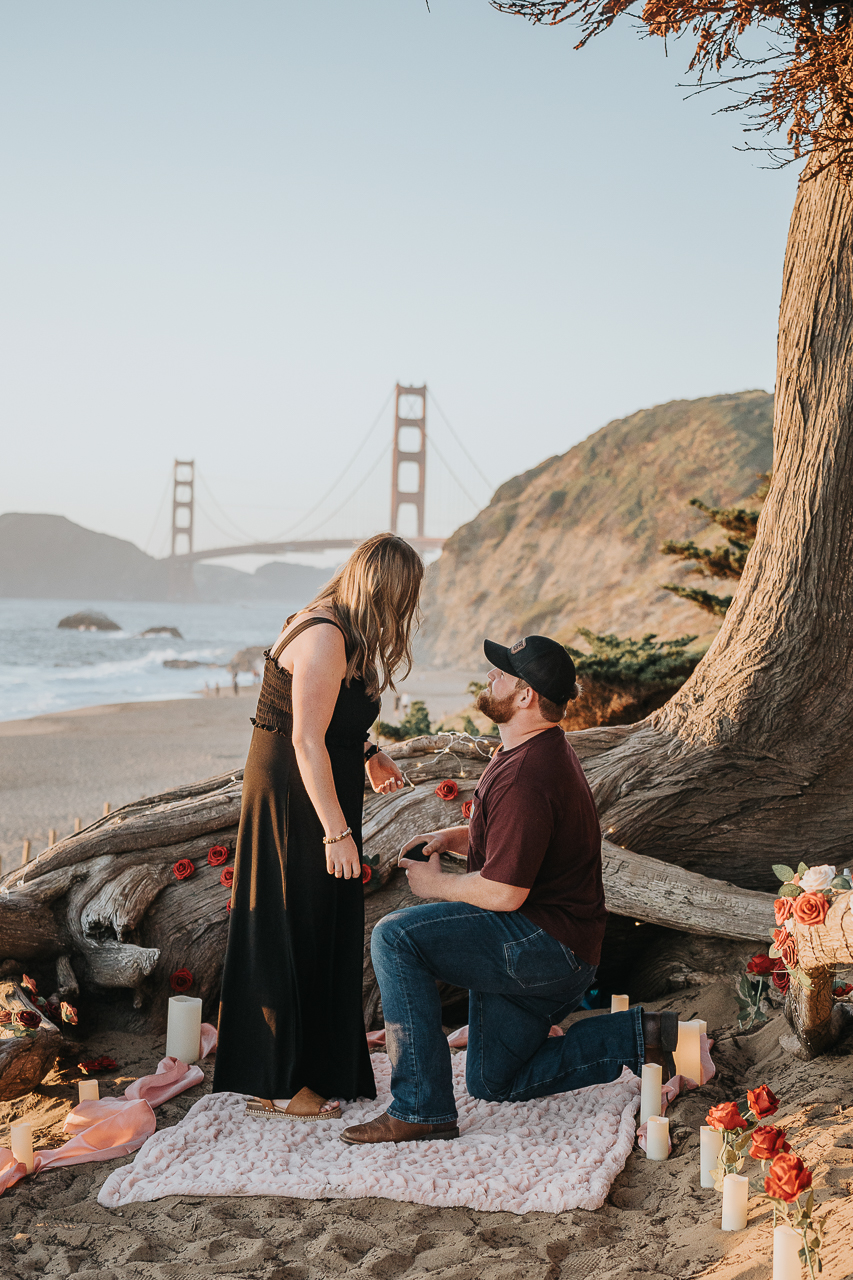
{"x":408,"y":494}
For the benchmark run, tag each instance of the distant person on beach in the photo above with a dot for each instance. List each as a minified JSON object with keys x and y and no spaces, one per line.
{"x":522,"y":931}
{"x":291,"y":1023}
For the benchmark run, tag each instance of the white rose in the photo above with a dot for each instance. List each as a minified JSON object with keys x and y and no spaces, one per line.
{"x":816,"y":879}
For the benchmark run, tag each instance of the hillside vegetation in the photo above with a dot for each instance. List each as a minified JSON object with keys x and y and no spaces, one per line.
{"x":575,"y":542}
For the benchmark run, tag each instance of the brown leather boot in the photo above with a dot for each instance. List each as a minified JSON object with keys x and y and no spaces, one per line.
{"x":386,"y":1129}
{"x":660,"y":1040}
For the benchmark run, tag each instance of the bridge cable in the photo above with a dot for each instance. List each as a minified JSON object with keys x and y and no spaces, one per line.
{"x":281,"y":536}
{"x":157,"y":517}
{"x":226,"y":533}
{"x":473,"y":462}
{"x":386,"y":449}
{"x":475,"y":504}
{"x":240,"y":532}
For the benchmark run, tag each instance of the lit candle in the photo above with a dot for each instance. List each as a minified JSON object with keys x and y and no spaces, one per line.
{"x":618,"y":1004}
{"x":657,"y":1138}
{"x":89,"y":1091}
{"x":710,"y":1146}
{"x":21,"y":1142}
{"x":183,"y":1030}
{"x":735,"y":1197}
{"x":650,"y":1095}
{"x":786,"y":1253}
{"x":688,"y":1058}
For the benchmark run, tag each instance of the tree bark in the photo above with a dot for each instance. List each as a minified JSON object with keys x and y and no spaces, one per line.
{"x":813,"y":1011}
{"x":749,"y":763}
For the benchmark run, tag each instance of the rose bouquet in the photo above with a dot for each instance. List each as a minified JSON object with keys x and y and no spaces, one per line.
{"x":805,"y":897}
{"x":739,"y":1124}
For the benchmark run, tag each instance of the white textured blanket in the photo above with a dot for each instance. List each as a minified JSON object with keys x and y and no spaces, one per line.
{"x":550,"y":1155}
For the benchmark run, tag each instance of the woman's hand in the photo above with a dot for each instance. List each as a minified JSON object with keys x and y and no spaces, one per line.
{"x":342,"y":860}
{"x":384,"y":774}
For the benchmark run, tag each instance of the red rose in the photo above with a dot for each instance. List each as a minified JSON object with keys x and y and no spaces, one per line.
{"x":183,"y":869}
{"x":68,"y":1013}
{"x":467,"y":807}
{"x":810,"y":909}
{"x":447,"y":790}
{"x":725,"y":1116}
{"x":762,"y":1102}
{"x":366,"y":873}
{"x":28,"y":1018}
{"x":97,"y":1064}
{"x":783,"y":908}
{"x":767,"y":1142}
{"x":5,"y":1016}
{"x":227,"y":877}
{"x":217,"y":855}
{"x":843,"y":990}
{"x":760,"y":965}
{"x":181,"y":981}
{"x":781,"y":979}
{"x":786,"y":946}
{"x":228,"y":906}
{"x":30,"y":984}
{"x":787,"y":1177}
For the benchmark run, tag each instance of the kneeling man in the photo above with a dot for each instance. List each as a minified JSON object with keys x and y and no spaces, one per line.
{"x":522,"y":931}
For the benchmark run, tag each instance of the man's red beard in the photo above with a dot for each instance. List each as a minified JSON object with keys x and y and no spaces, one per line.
{"x":499,"y":710}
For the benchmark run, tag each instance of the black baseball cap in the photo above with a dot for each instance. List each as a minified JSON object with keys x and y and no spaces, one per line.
{"x":540,"y":662}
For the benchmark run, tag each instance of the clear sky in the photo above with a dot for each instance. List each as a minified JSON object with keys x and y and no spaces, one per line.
{"x":228,"y":228}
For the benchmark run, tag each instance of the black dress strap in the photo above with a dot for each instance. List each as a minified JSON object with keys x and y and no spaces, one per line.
{"x":276,"y":653}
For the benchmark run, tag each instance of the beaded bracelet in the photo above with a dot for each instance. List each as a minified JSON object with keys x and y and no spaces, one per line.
{"x":335,"y":839}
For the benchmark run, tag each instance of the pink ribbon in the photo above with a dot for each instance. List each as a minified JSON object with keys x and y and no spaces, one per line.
{"x":110,"y":1127}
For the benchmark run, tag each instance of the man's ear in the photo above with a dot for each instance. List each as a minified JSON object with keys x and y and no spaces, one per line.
{"x":527,"y":696}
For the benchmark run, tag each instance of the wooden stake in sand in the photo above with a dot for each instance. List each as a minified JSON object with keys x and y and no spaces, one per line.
{"x":78,"y":825}
{"x":25,"y":853}
{"x":106,"y":808}
{"x":51,"y":837}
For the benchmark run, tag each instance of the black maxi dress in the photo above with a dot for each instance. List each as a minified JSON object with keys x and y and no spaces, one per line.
{"x":291,"y":1011}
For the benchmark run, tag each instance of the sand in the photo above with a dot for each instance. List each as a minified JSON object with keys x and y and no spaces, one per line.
{"x":58,"y":767}
{"x":657,"y":1222}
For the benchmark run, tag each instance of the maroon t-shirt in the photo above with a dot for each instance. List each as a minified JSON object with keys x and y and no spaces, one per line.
{"x":534,"y":825}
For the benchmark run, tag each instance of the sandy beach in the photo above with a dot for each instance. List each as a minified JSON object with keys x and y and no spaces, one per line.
{"x":59,"y":767}
{"x":656,"y":1222}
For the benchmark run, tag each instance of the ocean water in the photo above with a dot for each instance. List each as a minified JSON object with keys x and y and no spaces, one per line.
{"x":43,"y":668}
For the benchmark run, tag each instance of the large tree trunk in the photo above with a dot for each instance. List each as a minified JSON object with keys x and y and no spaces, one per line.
{"x":749,"y":763}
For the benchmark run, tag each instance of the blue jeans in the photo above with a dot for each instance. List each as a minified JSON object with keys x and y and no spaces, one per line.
{"x":520,"y":980}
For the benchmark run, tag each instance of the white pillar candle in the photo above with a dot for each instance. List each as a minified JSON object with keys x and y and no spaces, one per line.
{"x":21,"y":1142}
{"x":618,"y":1004}
{"x":183,"y":1031}
{"x":650,"y":1095}
{"x":657,"y":1138}
{"x":688,"y":1057}
{"x":710,"y":1146}
{"x":735,"y":1198}
{"x":89,"y":1091}
{"x":786,"y":1253}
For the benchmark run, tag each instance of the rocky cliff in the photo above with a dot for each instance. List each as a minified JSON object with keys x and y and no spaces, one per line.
{"x":575,"y":542}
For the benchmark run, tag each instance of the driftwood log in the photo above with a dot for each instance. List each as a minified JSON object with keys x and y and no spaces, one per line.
{"x":815,"y":1014}
{"x":103,"y":912}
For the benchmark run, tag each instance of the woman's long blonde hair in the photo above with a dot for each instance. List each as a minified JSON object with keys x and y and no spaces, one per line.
{"x":374,"y":598}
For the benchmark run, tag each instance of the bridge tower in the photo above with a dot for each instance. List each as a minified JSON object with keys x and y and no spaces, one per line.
{"x":409,"y":451}
{"x":181,"y":580}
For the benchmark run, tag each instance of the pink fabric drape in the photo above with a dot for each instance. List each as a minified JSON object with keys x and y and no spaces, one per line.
{"x":113,"y":1127}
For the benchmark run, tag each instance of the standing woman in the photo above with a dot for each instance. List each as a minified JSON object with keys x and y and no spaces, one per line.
{"x":291,"y":1024}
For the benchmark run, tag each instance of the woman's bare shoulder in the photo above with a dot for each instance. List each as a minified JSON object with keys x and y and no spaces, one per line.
{"x":311,"y":639}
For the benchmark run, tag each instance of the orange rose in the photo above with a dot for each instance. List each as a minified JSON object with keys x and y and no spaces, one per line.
{"x":810,"y":908}
{"x":788,"y":1176}
{"x":767,"y":1142}
{"x":447,"y":790}
{"x":725,"y":1116}
{"x":467,"y":807}
{"x":786,"y":945}
{"x":783,"y":908}
{"x":762,"y":1102}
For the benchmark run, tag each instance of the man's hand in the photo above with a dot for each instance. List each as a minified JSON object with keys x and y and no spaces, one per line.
{"x":425,"y":878}
{"x":435,"y":842}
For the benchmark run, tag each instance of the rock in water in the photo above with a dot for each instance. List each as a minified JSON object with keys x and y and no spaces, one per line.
{"x":88,"y":621}
{"x":163,"y":631}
